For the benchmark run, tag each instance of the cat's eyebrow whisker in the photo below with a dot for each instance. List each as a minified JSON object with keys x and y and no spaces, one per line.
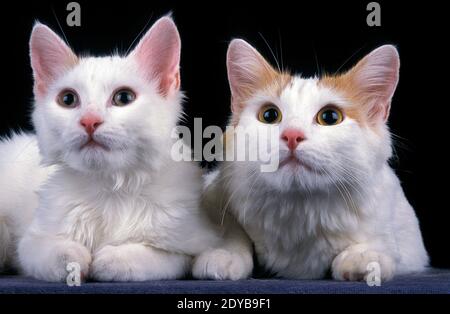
{"x":139,"y":35}
{"x":281,"y":51}
{"x":319,"y":72}
{"x":348,"y":59}
{"x":60,"y":27}
{"x":271,"y":51}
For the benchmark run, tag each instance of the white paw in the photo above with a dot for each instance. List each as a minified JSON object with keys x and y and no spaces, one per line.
{"x":137,"y":262}
{"x":221,"y":264}
{"x":111,"y":264}
{"x":62,"y":255}
{"x":354,"y":265}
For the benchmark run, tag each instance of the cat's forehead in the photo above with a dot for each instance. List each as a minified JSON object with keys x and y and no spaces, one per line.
{"x":303,"y":93}
{"x":92,"y":71}
{"x":97,"y":77}
{"x":101,"y":65}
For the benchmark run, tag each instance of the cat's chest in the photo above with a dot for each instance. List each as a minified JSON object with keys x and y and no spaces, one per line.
{"x":286,"y":220}
{"x":96,"y":220}
{"x":290,"y":232}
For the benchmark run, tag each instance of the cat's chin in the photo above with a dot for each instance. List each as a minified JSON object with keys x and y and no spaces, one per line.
{"x":94,"y":145}
{"x":96,"y":158}
{"x":295,"y":164}
{"x":294,"y":176}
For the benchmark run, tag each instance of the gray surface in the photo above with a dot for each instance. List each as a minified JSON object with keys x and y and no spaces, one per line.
{"x":433,"y":281}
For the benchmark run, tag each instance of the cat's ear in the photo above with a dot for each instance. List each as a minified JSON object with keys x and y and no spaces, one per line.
{"x":50,"y":57}
{"x":158,"y":54}
{"x":248,"y":71}
{"x":374,"y":79}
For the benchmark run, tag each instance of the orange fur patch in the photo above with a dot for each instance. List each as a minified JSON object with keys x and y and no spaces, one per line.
{"x":272,"y":82}
{"x":345,"y":85}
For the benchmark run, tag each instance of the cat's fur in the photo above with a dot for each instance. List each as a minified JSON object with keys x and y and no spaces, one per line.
{"x":21,"y":177}
{"x":127,"y":212}
{"x":233,"y":259}
{"x":339,"y":206}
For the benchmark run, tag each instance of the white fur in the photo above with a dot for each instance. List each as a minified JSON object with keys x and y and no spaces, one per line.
{"x":19,"y":182}
{"x":233,"y":259}
{"x":345,"y":209}
{"x":126,"y":213}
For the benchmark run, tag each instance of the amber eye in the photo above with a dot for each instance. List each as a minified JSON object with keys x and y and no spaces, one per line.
{"x":269,"y":114}
{"x":123,"y":97}
{"x":68,"y":99}
{"x":329,"y":116}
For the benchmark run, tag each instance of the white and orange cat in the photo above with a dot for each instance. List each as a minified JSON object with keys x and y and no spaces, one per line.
{"x":334,"y":203}
{"x":110,"y":197}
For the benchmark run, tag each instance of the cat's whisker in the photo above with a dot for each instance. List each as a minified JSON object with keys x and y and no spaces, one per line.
{"x":249,"y":193}
{"x":343,"y":191}
{"x":358,"y":187}
{"x":230,"y":197}
{"x":281,"y":51}
{"x":348,"y":59}
{"x":139,"y":35}
{"x":60,"y":27}
{"x":319,"y":71}
{"x":271,"y":51}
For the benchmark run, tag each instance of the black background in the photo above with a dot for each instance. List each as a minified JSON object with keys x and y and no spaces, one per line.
{"x":306,"y":36}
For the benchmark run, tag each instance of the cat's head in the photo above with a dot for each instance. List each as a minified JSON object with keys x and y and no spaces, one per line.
{"x":332,"y":129}
{"x":106,"y":114}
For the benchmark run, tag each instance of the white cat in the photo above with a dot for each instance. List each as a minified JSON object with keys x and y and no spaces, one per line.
{"x":114,"y":201}
{"x":334,"y":203}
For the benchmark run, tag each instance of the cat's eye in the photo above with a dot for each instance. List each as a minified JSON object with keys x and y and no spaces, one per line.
{"x":329,"y":115}
{"x":123,"y":97}
{"x":269,"y":114}
{"x":68,"y":99}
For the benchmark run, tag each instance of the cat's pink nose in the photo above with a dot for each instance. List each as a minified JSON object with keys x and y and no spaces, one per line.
{"x":90,"y":122}
{"x":292,"y":137}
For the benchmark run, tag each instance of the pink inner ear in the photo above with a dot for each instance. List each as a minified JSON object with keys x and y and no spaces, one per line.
{"x":248,"y":71}
{"x":50,"y":57}
{"x":377,"y":77}
{"x":158,"y":54}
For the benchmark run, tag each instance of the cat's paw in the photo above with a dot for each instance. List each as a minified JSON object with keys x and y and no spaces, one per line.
{"x":137,"y":262}
{"x":222,"y":264}
{"x":112,"y":264}
{"x":62,"y":255}
{"x":354,"y":265}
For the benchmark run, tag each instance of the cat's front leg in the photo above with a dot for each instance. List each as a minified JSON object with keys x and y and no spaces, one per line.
{"x":137,"y":262}
{"x":47,"y":257}
{"x":231,"y":260}
{"x":356,"y":262}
